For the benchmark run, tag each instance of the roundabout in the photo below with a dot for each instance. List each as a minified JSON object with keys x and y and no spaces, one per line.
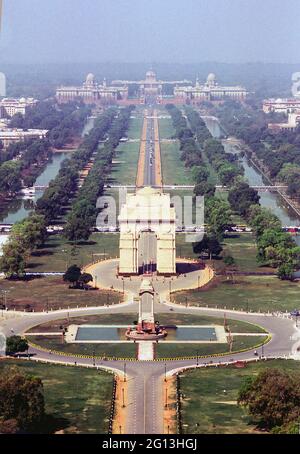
{"x":145,"y":378}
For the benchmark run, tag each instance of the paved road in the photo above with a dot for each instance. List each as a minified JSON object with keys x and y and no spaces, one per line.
{"x":149,"y":171}
{"x":145,"y":401}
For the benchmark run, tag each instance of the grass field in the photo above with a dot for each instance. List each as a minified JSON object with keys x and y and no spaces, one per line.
{"x":173,"y":169}
{"x":243,"y":249}
{"x":135,"y":127}
{"x":265,"y":293}
{"x":58,"y":253}
{"x":77,"y":401}
{"x":125,"y":168}
{"x":165,"y":350}
{"x":52,"y":293}
{"x":207,"y":409}
{"x":166,"y":130}
{"x":126,"y":350}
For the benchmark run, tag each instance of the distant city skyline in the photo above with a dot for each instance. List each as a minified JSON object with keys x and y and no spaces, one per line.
{"x":149,"y":31}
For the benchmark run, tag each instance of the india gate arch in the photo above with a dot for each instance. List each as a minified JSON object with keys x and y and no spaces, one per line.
{"x":147,"y":210}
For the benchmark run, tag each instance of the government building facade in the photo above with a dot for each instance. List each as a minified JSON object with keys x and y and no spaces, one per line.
{"x":209,"y":91}
{"x":92,"y":93}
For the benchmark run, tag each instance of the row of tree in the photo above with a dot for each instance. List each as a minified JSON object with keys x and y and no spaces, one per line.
{"x":22,"y":162}
{"x":25,"y":236}
{"x":217,"y":211}
{"x":63,"y":121}
{"x":275,"y":247}
{"x":63,"y":188}
{"x":278,"y":152}
{"x":84,"y":211}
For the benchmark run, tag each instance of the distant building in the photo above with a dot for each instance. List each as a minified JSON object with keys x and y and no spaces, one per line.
{"x":8,"y":136}
{"x":209,"y":91}
{"x":292,"y":123}
{"x":280,"y":105}
{"x":150,"y":89}
{"x":92,"y":93}
{"x":2,"y":85}
{"x":11,"y":106}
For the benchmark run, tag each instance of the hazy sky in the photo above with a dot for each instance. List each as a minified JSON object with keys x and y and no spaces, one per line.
{"x":150,"y":30}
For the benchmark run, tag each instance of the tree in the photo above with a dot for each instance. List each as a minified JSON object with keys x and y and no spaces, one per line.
{"x":205,"y":189}
{"x":9,"y":426}
{"x":10,"y":178}
{"x":12,"y":261}
{"x":209,"y":244}
{"x":85,"y":279}
{"x":72,"y":275}
{"x":261,"y":219}
{"x":285,"y":272}
{"x":273,"y":397}
{"x":22,"y":400}
{"x":16,"y":344}
{"x":241,"y":197}
{"x":217,"y":216}
{"x":77,"y":228}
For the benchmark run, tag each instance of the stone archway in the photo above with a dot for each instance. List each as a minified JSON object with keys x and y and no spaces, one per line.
{"x":148,"y":209}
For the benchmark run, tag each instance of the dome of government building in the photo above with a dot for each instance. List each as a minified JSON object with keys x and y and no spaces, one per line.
{"x":90,"y":78}
{"x":211,"y":77}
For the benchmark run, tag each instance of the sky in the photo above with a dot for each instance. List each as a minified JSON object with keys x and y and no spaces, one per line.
{"x":172,"y":31}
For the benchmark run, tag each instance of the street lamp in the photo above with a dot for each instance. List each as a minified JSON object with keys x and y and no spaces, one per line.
{"x":123,"y":398}
{"x":125,"y":378}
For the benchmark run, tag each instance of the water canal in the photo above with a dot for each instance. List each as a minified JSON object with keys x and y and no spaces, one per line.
{"x":267,"y":199}
{"x":19,"y":208}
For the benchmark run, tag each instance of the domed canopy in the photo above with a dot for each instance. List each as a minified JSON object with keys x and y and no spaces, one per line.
{"x":211,"y":77}
{"x":90,"y":78}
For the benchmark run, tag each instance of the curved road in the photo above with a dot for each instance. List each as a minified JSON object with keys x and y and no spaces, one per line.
{"x":145,"y":400}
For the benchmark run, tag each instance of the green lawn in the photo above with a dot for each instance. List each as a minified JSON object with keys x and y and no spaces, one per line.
{"x":125,"y":350}
{"x":166,"y":129}
{"x":205,"y":406}
{"x":58,"y":253}
{"x":265,"y":293}
{"x":52,"y":293}
{"x":243,"y":249}
{"x":77,"y":400}
{"x":165,"y":350}
{"x":136,"y":124}
{"x":173,"y":169}
{"x":125,"y":168}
